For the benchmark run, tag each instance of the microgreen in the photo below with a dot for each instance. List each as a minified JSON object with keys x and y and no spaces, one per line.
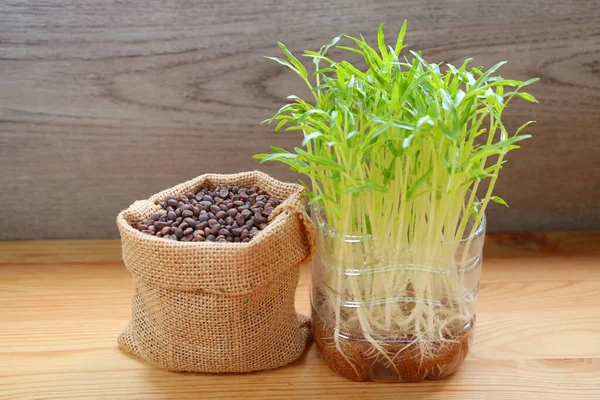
{"x":398,"y":150}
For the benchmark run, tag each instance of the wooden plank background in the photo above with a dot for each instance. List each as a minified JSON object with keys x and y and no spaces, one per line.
{"x":106,"y":102}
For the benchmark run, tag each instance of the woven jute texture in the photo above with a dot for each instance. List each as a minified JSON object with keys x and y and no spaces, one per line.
{"x":218,"y":307}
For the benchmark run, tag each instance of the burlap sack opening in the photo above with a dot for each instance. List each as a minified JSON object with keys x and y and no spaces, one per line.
{"x":218,"y":307}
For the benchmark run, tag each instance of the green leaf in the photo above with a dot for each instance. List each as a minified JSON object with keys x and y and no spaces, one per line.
{"x":352,"y":49}
{"x":299,"y":66}
{"x":418,"y":183}
{"x":368,"y":186}
{"x":400,"y":41}
{"x":381,"y":42}
{"x":526,"y":124}
{"x":333,"y":41}
{"x":498,"y":200}
{"x":320,"y":197}
{"x":283,"y":62}
{"x":527,"y":97}
{"x":281,"y":124}
{"x":310,"y":137}
{"x":351,"y":134}
{"x":487,"y":73}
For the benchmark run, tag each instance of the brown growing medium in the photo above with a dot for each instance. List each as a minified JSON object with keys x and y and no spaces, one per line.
{"x":361,"y":362}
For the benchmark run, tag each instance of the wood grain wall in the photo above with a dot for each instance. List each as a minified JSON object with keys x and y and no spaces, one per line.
{"x":106,"y":102}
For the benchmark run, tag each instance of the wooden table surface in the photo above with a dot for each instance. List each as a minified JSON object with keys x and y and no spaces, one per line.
{"x":63,"y":303}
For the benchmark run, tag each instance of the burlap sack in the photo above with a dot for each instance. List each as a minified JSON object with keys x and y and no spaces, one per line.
{"x":218,"y":307}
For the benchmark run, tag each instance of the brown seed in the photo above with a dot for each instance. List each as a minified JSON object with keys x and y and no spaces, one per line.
{"x":151,"y":228}
{"x":191,"y":222}
{"x":160,"y":224}
{"x":149,"y":222}
{"x":198,"y":239}
{"x":205,"y":204}
{"x":237,"y":239}
{"x":261,"y":197}
{"x":190,"y":195}
{"x":259,"y":204}
{"x":178,"y":232}
{"x":188,"y":231}
{"x":232,"y":212}
{"x":236,"y":232}
{"x":203,"y":217}
{"x":207,"y":198}
{"x":229,"y":221}
{"x":267,"y":211}
{"x":186,"y":238}
{"x":155,"y":216}
{"x":224,"y":232}
{"x":221,"y":214}
{"x":220,"y":238}
{"x":178,"y":212}
{"x":206,"y":231}
{"x":240,"y":220}
{"x":259,"y":219}
{"x":183,"y":226}
{"x":178,"y":220}
{"x":201,"y":225}
{"x":165,"y":231}
{"x":214,"y":209}
{"x":163,"y":204}
{"x":147,"y":232}
{"x":196,"y":211}
{"x":142,"y":227}
{"x":171,"y":215}
{"x":211,"y":238}
{"x":246,"y":214}
{"x":262,"y":226}
{"x":172,"y":202}
{"x":223,"y":192}
{"x":212,"y":222}
{"x":245,"y":233}
{"x":183,"y":199}
{"x":187,"y":214}
{"x":246,"y":240}
{"x":216,"y":228}
{"x":250,"y":222}
{"x":187,"y":207}
{"x":158,"y":234}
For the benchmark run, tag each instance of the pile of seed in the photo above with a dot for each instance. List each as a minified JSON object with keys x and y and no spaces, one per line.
{"x":223,"y":214}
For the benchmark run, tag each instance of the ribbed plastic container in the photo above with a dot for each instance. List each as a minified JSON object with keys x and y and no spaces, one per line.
{"x":390,"y":314}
